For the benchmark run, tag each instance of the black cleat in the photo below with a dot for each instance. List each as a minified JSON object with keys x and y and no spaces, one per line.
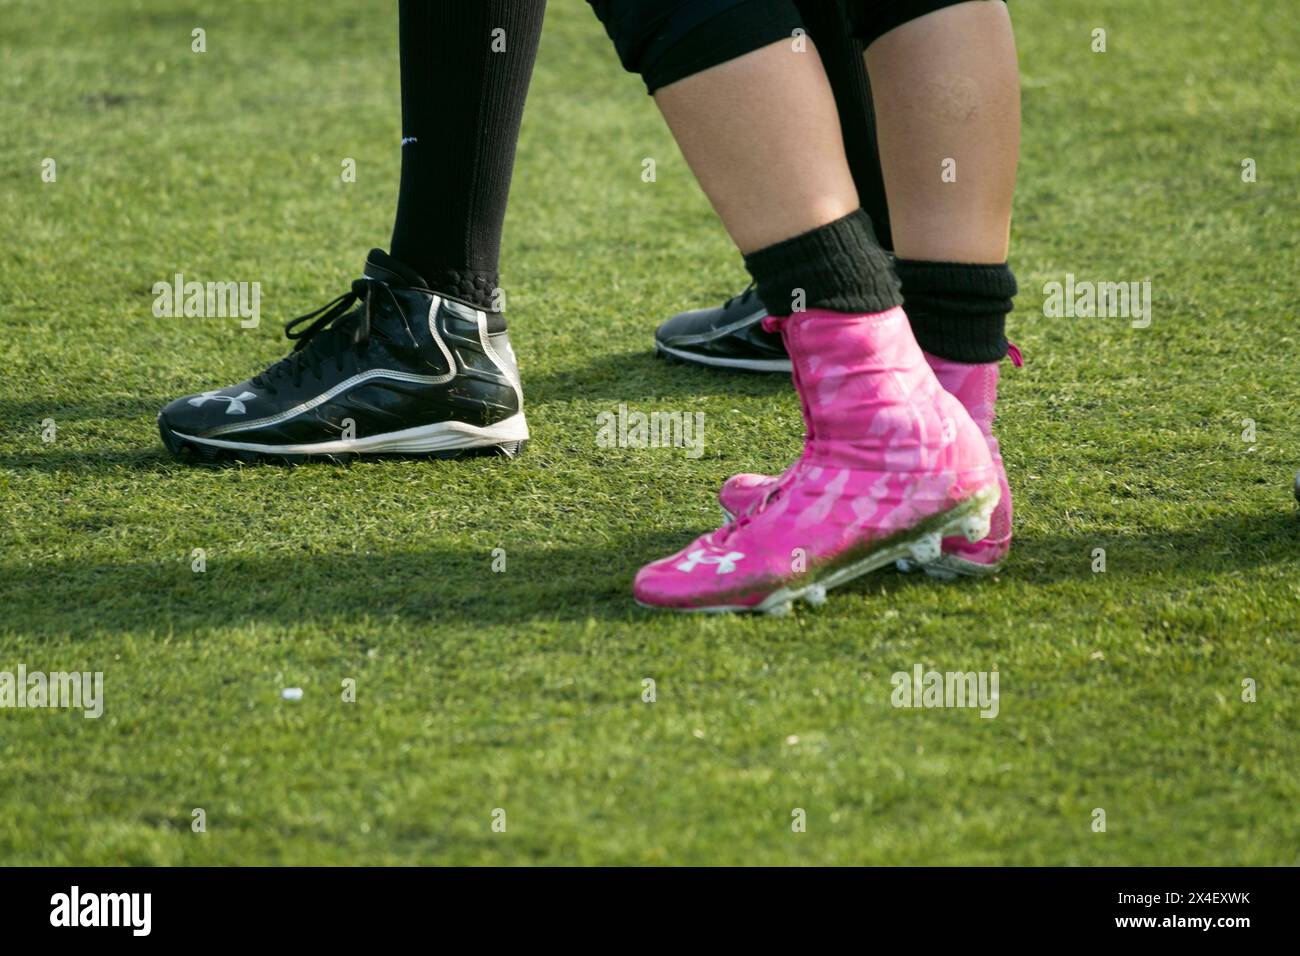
{"x":389,"y":368}
{"x":729,"y":336}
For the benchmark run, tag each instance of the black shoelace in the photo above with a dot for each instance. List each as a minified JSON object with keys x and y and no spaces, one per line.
{"x":335,"y":328}
{"x":742,"y":297}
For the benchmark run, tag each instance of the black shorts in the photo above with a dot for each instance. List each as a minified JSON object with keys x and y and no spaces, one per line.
{"x":869,"y":20}
{"x":669,"y":40}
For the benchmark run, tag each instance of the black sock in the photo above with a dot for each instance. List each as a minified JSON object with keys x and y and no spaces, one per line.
{"x":462,"y":102}
{"x":958,"y":310}
{"x":841,"y":56}
{"x":838,"y":266}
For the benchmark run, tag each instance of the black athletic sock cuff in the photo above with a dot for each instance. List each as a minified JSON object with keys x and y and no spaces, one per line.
{"x":839,"y":266}
{"x":958,"y":310}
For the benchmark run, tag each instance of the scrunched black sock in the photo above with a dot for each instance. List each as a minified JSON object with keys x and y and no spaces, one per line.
{"x":958,"y":310}
{"x":838,"y":266}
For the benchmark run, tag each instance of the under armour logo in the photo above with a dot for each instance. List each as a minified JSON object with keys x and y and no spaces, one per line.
{"x":236,"y":402}
{"x":726,"y":562}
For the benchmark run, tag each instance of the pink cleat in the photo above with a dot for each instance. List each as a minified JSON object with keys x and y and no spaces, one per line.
{"x":976,"y":386}
{"x":891,"y":465}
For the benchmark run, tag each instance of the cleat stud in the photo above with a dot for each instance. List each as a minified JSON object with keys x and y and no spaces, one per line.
{"x":904,"y":566}
{"x":816,"y":595}
{"x":976,"y":527}
{"x":927,"y":548}
{"x":779,"y":610}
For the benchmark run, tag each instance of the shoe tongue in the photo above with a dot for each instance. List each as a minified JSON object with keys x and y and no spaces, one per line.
{"x":380,"y":265}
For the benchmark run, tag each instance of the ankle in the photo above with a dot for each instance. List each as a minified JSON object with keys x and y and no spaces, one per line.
{"x":958,"y":309}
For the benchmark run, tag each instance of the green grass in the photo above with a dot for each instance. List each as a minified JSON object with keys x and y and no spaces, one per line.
{"x":522,"y":690}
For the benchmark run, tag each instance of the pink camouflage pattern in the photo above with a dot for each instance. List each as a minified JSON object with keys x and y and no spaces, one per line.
{"x":891,"y":462}
{"x":976,"y":387}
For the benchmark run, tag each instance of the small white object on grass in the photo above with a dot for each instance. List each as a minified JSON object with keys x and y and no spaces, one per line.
{"x":291,"y":693}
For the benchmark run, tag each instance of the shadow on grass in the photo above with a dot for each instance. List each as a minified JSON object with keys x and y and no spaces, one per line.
{"x":437,"y":586}
{"x":61,"y":455}
{"x":638,"y":377}
{"x":446,"y":586}
{"x":36,"y":410}
{"x":154,"y":460}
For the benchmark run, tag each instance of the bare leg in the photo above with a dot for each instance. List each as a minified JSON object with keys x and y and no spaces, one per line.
{"x":762,"y":136}
{"x":946,"y":87}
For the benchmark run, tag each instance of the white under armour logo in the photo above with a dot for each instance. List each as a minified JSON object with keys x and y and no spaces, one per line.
{"x":726,"y":562}
{"x":236,"y":406}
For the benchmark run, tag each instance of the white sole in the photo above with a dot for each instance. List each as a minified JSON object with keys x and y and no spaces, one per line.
{"x":442,"y":436}
{"x":750,"y":365}
{"x":970,"y":518}
{"x":947,"y":567}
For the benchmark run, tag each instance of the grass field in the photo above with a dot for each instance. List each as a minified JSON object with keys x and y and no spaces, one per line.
{"x":522,"y":690}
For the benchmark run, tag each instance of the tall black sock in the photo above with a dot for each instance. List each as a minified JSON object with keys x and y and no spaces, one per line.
{"x":465,"y":71}
{"x":958,"y":310}
{"x":841,"y":56}
{"x":838,"y":266}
